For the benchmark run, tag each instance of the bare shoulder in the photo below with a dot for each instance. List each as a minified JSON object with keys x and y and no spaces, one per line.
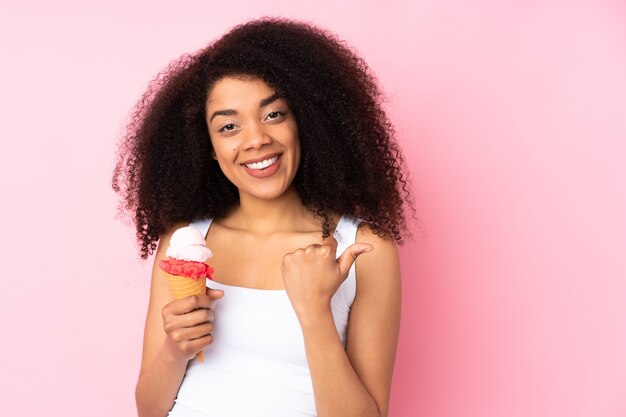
{"x":385,"y":242}
{"x":382,"y":265}
{"x":378,"y":277}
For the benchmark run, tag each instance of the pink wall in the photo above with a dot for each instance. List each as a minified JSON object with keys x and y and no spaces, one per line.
{"x":513,"y":118}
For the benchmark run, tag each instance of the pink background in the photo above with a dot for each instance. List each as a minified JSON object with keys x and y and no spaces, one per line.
{"x":513,"y":119}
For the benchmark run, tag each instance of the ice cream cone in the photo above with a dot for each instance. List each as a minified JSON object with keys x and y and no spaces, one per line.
{"x":185,"y":265}
{"x":182,"y":287}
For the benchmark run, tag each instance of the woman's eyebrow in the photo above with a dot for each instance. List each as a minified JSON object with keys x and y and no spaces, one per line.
{"x":222,"y":113}
{"x":230,"y":112}
{"x":270,"y":99}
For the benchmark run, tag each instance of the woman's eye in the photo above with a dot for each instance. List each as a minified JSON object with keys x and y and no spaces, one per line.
{"x":227,"y":128}
{"x":275,"y":115}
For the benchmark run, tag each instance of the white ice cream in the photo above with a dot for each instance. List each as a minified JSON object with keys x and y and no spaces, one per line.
{"x":188,"y":244}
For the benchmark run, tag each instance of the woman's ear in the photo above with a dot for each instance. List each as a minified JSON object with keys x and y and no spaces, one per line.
{"x":213,"y":155}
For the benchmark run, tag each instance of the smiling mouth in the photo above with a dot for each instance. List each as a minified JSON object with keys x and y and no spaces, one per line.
{"x":261,"y":165}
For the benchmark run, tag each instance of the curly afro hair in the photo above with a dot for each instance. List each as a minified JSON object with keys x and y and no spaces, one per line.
{"x":350,"y":163}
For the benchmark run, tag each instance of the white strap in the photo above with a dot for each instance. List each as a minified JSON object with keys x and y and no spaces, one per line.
{"x":202,"y":225}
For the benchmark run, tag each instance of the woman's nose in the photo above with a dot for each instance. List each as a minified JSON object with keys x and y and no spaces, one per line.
{"x":256,"y":136}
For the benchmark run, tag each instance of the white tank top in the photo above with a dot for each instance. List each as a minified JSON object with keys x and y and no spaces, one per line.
{"x":256,"y":365}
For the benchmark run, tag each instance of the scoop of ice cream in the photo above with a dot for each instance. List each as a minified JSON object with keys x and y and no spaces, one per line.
{"x":189,"y":269}
{"x":188,"y":244}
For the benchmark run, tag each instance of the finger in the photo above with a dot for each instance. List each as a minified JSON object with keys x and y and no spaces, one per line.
{"x":214,"y":294}
{"x":185,"y":334}
{"x":192,"y":347}
{"x":193,"y":333}
{"x":312,"y":249}
{"x":347,"y":258}
{"x":173,"y":324}
{"x":187,"y":304}
{"x":332,"y":242}
{"x":199,"y":316}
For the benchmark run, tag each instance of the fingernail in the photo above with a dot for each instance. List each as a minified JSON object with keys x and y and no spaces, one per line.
{"x":212,"y":303}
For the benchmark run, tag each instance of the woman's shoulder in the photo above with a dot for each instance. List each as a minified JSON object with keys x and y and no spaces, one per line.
{"x":383,"y":261}
{"x":367,"y":233}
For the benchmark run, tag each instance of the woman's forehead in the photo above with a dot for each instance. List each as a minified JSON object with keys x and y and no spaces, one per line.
{"x":235,"y":90}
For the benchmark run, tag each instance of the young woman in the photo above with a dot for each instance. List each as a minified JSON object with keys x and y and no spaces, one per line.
{"x":272,"y":142}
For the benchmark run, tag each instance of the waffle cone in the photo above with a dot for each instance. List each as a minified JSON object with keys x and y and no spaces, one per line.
{"x":182,"y":287}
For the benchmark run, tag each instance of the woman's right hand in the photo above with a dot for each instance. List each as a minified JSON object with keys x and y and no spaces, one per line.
{"x":188,"y":323}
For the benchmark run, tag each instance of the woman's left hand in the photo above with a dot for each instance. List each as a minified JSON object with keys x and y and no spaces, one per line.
{"x":313,"y":274}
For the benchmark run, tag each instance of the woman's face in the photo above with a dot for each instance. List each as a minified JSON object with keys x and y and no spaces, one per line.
{"x":254,"y":136}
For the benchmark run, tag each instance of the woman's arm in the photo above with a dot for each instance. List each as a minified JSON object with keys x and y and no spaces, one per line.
{"x":175,"y":331}
{"x":357,"y":381}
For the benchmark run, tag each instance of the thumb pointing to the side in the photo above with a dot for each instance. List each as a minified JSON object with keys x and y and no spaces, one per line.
{"x":347,"y":258}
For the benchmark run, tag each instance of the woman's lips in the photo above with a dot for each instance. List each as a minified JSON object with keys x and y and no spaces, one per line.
{"x":265,"y":172}
{"x":263,"y":158}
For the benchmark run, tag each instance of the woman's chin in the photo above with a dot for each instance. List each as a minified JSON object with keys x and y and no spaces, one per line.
{"x":268,"y":193}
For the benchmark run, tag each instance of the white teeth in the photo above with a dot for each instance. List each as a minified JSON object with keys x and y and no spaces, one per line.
{"x":263,"y":164}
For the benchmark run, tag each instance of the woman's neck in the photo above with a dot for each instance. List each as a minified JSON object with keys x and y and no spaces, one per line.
{"x":286,"y":213}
